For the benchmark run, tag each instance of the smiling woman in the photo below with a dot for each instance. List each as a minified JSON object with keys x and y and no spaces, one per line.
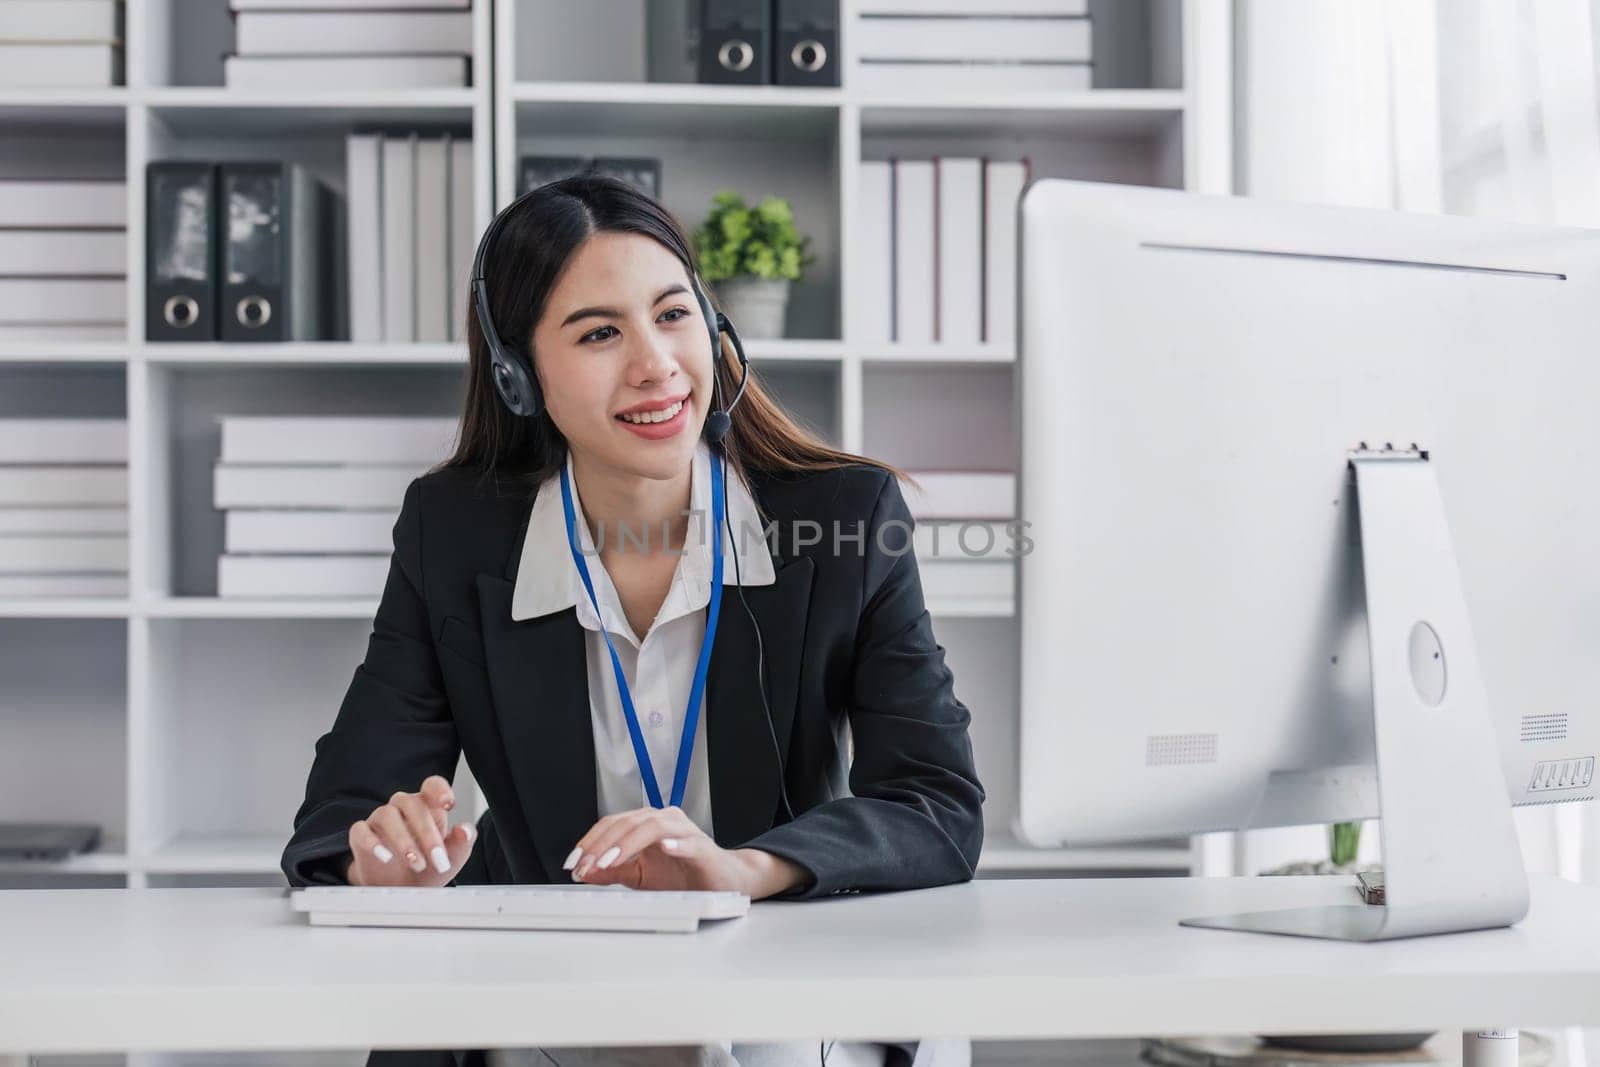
{"x":534,"y":621}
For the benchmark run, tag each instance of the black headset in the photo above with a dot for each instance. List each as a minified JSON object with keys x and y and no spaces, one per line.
{"x":518,"y":386}
{"x":519,"y":390}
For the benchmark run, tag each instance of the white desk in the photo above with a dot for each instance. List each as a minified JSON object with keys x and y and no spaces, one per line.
{"x":184,"y":969}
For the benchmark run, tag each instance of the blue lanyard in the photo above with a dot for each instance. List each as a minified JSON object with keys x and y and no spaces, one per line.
{"x":691,"y":718}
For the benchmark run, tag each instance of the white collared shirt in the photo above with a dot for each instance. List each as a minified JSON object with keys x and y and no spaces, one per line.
{"x":659,"y":670}
{"x":660,"y":667}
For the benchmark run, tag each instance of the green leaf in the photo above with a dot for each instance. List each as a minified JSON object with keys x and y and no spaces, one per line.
{"x":1344,"y":842}
{"x":737,"y":240}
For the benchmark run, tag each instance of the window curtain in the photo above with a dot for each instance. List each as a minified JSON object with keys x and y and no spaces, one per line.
{"x":1470,"y":107}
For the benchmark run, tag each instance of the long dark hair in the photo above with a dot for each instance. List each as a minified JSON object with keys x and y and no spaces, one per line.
{"x":538,"y":236}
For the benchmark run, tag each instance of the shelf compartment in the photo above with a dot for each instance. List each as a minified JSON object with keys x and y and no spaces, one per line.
{"x":598,"y":41}
{"x":217,"y":853}
{"x":1138,"y":43}
{"x":948,"y":417}
{"x":184,"y":42}
{"x":56,"y":144}
{"x":610,"y":45}
{"x":46,"y":142}
{"x":792,"y":152}
{"x":231,"y":715}
{"x":320,"y":147}
{"x":64,"y":731}
{"x":810,"y":393}
{"x":111,"y":857}
{"x":71,"y":391}
{"x":1146,"y":149}
{"x":1137,"y":47}
{"x":185,"y":441}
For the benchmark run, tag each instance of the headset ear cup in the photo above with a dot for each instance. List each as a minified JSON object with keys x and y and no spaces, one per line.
{"x":520,"y":394}
{"x":513,"y":380}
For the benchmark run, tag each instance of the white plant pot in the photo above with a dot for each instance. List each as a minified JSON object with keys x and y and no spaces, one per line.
{"x":756,"y":305}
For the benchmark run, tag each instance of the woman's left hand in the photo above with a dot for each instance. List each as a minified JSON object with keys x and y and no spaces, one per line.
{"x":662,"y":848}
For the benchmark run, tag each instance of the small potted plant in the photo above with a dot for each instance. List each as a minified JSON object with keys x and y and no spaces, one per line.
{"x":749,"y":255}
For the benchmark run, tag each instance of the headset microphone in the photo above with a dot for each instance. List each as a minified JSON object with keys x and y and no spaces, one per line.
{"x":718,"y":421}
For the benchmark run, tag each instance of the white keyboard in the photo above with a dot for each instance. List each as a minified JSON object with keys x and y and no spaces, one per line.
{"x":518,"y":907}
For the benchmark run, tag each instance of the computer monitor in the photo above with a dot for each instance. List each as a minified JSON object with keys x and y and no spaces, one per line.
{"x":1241,"y":420}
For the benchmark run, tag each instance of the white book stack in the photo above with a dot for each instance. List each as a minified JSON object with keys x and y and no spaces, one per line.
{"x":938,"y":251}
{"x":310,"y":502}
{"x":63,"y":507}
{"x":61,"y":44}
{"x":973,"y":46}
{"x":966,"y":542}
{"x":64,"y":250}
{"x":350,"y":45}
{"x":411,"y":237}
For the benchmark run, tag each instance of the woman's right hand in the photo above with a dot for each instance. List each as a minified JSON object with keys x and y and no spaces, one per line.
{"x":405,"y":842}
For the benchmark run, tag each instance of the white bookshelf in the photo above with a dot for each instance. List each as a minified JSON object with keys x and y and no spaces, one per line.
{"x":182,"y":722}
{"x":185,"y":761}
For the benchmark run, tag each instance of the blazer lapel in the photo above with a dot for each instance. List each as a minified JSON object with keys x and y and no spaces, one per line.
{"x":539,"y":684}
{"x":741,"y":765}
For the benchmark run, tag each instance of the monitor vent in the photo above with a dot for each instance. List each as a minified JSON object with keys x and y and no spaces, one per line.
{"x":1162,"y":749}
{"x":1544,"y":727}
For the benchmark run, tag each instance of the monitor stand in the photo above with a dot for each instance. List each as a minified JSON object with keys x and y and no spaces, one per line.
{"x":1451,"y":857}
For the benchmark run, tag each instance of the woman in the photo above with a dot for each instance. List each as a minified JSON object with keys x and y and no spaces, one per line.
{"x":551,"y":594}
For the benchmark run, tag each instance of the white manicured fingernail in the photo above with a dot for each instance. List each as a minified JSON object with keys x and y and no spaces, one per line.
{"x":441,"y":859}
{"x":610,"y":857}
{"x":572,"y":859}
{"x":383,"y":854}
{"x":471,"y":832}
{"x":670,"y":844}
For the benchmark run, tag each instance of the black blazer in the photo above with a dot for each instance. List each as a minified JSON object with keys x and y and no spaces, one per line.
{"x":847,"y":640}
